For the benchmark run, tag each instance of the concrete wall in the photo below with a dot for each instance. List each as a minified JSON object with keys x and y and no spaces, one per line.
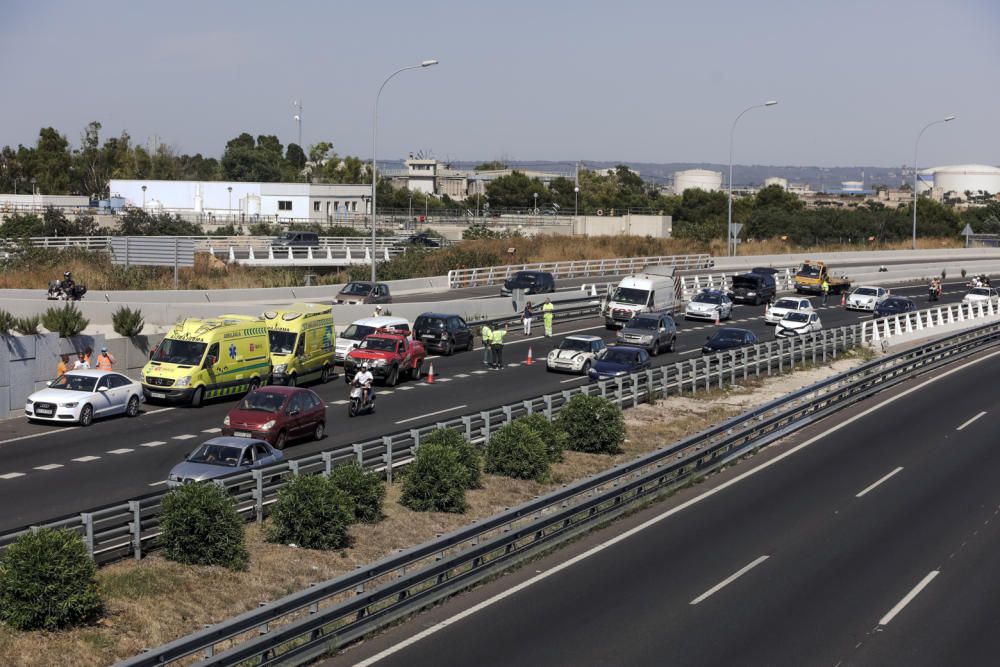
{"x":657,"y":226}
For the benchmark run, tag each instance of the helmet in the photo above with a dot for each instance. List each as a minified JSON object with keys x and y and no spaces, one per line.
{"x":67,"y":275}
{"x":364,"y":366}
{"x":378,"y":306}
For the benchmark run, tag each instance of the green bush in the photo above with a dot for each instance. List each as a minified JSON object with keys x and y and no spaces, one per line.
{"x":468,"y":455}
{"x":47,"y":582}
{"x":7,"y":322}
{"x":517,"y":451}
{"x":200,"y":526}
{"x":364,"y":489}
{"x":593,"y":424}
{"x":313,"y":513}
{"x":435,"y":482}
{"x":66,"y":321}
{"x":551,"y":434}
{"x":127,"y":322}
{"x":27,"y":325}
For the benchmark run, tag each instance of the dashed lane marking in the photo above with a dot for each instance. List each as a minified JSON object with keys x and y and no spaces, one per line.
{"x":154,"y":443}
{"x":212,"y":430}
{"x":86,"y":459}
{"x":49,"y":466}
{"x":340,"y":402}
{"x":407,"y":388}
{"x":462,"y":375}
{"x":479,"y":372}
{"x":160,"y":483}
{"x":123,"y":450}
{"x":185,"y":436}
{"x":443,"y":380}
{"x":12,"y":475}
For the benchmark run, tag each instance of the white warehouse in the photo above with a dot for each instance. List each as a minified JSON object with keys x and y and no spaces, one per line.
{"x":703,"y":179}
{"x":246,"y":201}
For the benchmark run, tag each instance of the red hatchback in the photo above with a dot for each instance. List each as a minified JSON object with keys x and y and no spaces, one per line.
{"x":277,"y":415}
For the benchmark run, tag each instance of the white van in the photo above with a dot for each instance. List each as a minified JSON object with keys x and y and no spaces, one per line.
{"x":643,"y":293}
{"x":354,"y":334}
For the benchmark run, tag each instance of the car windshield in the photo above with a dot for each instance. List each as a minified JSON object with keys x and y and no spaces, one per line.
{"x":630,"y":295}
{"x":809,"y":271}
{"x":357,"y":289}
{"x":287,"y":236}
{"x":895,"y":303}
{"x":74,"y":383}
{"x":642,"y":323}
{"x":524,"y":279}
{"x":219,"y":455}
{"x":865,"y":291}
{"x":796,"y":317}
{"x":786,"y":303}
{"x":575,"y":345}
{"x":728,"y":336}
{"x":181,"y":352}
{"x":282,"y":342}
{"x":431,"y":323}
{"x":357,"y":332}
{"x":981,"y":291}
{"x":746,"y":281}
{"x":379,"y":344}
{"x":262,"y":401}
{"x":708,"y":298}
{"x":617,"y":356}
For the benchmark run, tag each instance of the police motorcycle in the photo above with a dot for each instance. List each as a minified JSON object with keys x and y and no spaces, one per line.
{"x":934,"y":292}
{"x":66,"y":289}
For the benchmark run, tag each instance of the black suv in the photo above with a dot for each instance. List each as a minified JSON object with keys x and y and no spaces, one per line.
{"x":532,"y":282}
{"x":756,"y":287}
{"x":426,"y":240}
{"x":296,"y":240}
{"x":443,"y":332}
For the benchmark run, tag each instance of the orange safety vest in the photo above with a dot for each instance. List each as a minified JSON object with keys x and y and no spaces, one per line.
{"x":104,"y":362}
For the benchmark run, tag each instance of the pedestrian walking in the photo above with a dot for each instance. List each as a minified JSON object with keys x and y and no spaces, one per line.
{"x":526,"y":318}
{"x":487,"y":333}
{"x":498,"y":336}
{"x":105,"y":361}
{"x":825,"y":287}
{"x":547,"y":317}
{"x":82,"y":360}
{"x":63,"y":365}
{"x":378,"y":311}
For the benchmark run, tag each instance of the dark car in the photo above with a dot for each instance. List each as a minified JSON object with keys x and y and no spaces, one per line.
{"x":729,"y":338}
{"x":426,"y":240}
{"x":296,"y":240}
{"x":894,"y":305}
{"x":756,"y":287}
{"x":531,"y":282}
{"x":363,"y":291}
{"x":443,"y":333}
{"x":277,"y":415}
{"x":650,"y":331}
{"x":618,"y":360}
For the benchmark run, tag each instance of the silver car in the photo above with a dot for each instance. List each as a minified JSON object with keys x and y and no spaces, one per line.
{"x":223,"y":456}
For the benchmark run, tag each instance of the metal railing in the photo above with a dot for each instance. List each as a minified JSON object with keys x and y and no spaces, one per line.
{"x":885,"y":328}
{"x":331,"y":614}
{"x":690,"y":285}
{"x":203,"y":243}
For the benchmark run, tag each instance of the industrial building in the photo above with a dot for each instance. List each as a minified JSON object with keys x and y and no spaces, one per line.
{"x":703,"y":179}
{"x":960,"y":178}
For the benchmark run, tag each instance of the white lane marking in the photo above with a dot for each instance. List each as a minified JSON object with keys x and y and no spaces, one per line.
{"x":479,"y":372}
{"x":582,"y":377}
{"x":970,"y":421}
{"x":461,"y":375}
{"x":123,"y":450}
{"x":158,"y":483}
{"x":154,"y":443}
{"x":409,"y":641}
{"x":513,"y":365}
{"x":86,"y":459}
{"x":212,"y":430}
{"x":49,"y":466}
{"x":872,"y":486}
{"x":443,"y":380}
{"x":697,"y":349}
{"x":431,"y":414}
{"x":12,"y":475}
{"x":406,"y":388}
{"x":885,"y":620}
{"x":153,"y":412}
{"x":38,"y":435}
{"x":728,"y":580}
{"x":185,"y":436}
{"x":341,"y":402}
{"x":384,"y":392}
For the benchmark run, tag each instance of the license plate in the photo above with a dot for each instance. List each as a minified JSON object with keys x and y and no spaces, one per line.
{"x":44,"y":413}
{"x":157,"y":394}
{"x":242,"y":434}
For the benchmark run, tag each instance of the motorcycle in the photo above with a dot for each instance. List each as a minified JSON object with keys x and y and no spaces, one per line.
{"x":58,"y":293}
{"x":356,"y":405}
{"x":933,"y":293}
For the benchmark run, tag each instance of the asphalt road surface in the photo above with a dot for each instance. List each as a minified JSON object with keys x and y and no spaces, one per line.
{"x":49,"y":471}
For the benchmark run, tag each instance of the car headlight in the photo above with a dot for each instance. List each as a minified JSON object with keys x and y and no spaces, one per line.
{"x":225,"y":422}
{"x":552,"y":354}
{"x":378,"y":362}
{"x":751,"y":293}
{"x":29,"y":402}
{"x":444,"y":336}
{"x":281,"y":368}
{"x":183,"y":382}
{"x":269,"y":425}
{"x":647,"y":339}
{"x":69,"y":405}
{"x":173,"y":478}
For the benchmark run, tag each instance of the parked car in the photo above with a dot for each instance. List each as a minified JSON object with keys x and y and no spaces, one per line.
{"x":531,"y":282}
{"x":359,"y":329}
{"x":618,"y":360}
{"x":223,"y":456}
{"x":389,"y":355}
{"x":650,"y":331}
{"x":296,"y":240}
{"x":798,"y":322}
{"x":729,"y":338}
{"x":756,"y":287}
{"x":426,"y":240}
{"x":277,"y":415}
{"x":776,"y":311}
{"x":443,"y":333}
{"x":84,"y":395}
{"x":866,"y":297}
{"x":709,"y":304}
{"x":981,"y":295}
{"x":575,"y":354}
{"x":894,"y":305}
{"x":364,"y":292}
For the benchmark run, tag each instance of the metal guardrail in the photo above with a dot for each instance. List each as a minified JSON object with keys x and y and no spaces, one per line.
{"x":203,"y":243}
{"x":313,"y":621}
{"x":495,"y":275}
{"x":690,"y":285}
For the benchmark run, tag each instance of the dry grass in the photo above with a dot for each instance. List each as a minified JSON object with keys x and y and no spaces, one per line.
{"x":155,"y":601}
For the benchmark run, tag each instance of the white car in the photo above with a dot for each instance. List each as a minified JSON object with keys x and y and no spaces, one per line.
{"x":981,"y":295}
{"x":798,"y":322}
{"x":866,"y":298}
{"x":776,"y":311}
{"x":84,"y":395}
{"x":708,"y":305}
{"x":352,"y":336}
{"x":574,"y":354}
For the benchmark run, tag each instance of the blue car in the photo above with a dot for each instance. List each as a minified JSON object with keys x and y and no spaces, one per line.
{"x":618,"y":360}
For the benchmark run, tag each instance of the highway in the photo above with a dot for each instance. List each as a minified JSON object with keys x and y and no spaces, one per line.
{"x":867,"y":539}
{"x":49,"y":471}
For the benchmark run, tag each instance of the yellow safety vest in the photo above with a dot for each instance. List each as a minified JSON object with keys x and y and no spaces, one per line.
{"x":498,"y":335}
{"x":487,"y":333}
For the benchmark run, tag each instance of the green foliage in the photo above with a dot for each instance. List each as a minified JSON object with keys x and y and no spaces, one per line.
{"x":48,"y":582}
{"x":200,"y":526}
{"x":593,"y":424}
{"x":554,"y":437}
{"x":517,"y":451}
{"x":21,"y":225}
{"x":225,"y":230}
{"x":468,"y":455}
{"x":364,"y":489}
{"x":7,"y":322}
{"x":264,"y":229}
{"x":137,"y":222}
{"x":435,"y":481}
{"x":313,"y":513}
{"x":127,"y":322}
{"x":419,"y":262}
{"x":516,"y":191}
{"x":483,"y":231}
{"x":27,"y":325}
{"x":492,"y":165}
{"x":66,"y":321}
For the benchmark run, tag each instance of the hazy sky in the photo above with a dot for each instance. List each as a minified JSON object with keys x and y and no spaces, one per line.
{"x":640,"y":81}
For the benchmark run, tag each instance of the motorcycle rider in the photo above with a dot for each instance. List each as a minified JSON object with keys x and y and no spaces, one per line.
{"x":364,"y":379}
{"x":68,"y":285}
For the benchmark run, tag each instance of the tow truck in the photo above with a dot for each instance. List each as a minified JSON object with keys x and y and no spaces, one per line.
{"x":809,"y":279}
{"x":390,"y":354}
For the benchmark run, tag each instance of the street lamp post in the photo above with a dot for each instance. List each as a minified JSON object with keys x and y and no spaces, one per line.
{"x":230,"y":211}
{"x":916,"y":144}
{"x":730,"y":238}
{"x":535,"y":209}
{"x":576,"y":200}
{"x":426,"y":63}
{"x":144,"y":198}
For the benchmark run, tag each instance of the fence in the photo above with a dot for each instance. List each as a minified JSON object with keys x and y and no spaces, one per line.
{"x":313,"y":621}
{"x":690,"y":285}
{"x":929,"y":318}
{"x":204,"y":243}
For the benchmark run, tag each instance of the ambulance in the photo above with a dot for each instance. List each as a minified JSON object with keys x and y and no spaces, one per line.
{"x":201,"y":359}
{"x":302,"y":343}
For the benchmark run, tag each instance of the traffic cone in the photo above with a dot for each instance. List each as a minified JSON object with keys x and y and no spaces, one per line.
{"x":530,"y":360}
{"x":430,"y":374}
{"x":843,"y":298}
{"x":717,"y":313}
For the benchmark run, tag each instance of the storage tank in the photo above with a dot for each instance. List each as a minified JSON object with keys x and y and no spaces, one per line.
{"x":967,"y":177}
{"x":703,"y":179}
{"x":925,"y":180}
{"x":852,"y":187}
{"x":776,"y":180}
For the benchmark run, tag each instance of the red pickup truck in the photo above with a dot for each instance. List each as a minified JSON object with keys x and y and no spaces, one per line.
{"x":389,"y":354}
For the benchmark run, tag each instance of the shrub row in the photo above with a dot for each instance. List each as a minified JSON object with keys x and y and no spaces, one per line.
{"x":69,"y":321}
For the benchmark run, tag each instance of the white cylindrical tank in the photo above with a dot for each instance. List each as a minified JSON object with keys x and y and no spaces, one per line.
{"x":925,"y":180}
{"x":852,"y":187}
{"x":703,"y":179}
{"x":776,"y":180}
{"x":967,"y":178}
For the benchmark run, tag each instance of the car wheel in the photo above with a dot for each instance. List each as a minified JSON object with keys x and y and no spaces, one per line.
{"x":324,"y":375}
{"x":254,"y":385}
{"x":417,"y":372}
{"x":347,"y":378}
{"x":673,"y":344}
{"x":292,"y":380}
{"x":279,"y":442}
{"x":87,"y":416}
{"x":197,"y":397}
{"x":471,"y":345}
{"x":132,"y":409}
{"x":655,"y":350}
{"x":318,"y":431}
{"x":449,"y":349}
{"x":586,"y":368}
{"x":393,"y":377}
